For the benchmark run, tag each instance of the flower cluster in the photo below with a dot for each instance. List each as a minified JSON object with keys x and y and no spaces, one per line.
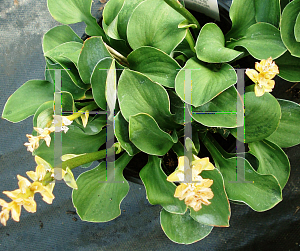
{"x":267,"y":70}
{"x":194,"y":190}
{"x":59,"y":124}
{"x":24,"y":195}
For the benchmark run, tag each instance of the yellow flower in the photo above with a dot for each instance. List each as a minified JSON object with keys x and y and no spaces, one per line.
{"x":61,"y":123}
{"x":34,"y":140}
{"x":267,"y":69}
{"x":191,"y":171}
{"x":12,"y":207}
{"x":85,"y":118}
{"x":193,"y":194}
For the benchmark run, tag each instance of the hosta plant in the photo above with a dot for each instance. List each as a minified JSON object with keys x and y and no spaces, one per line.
{"x":149,"y":80}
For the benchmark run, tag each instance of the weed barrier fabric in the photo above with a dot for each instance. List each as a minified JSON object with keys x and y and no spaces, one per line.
{"x":57,"y":226}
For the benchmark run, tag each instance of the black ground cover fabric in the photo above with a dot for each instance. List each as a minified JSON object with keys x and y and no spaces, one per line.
{"x":56,"y":226}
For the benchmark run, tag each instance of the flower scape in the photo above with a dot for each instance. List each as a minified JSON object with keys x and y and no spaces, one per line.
{"x":164,"y":88}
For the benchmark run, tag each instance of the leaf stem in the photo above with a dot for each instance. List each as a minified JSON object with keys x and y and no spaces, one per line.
{"x":82,"y":159}
{"x":189,"y":38}
{"x":176,"y":5}
{"x":76,"y":115}
{"x":210,"y":143}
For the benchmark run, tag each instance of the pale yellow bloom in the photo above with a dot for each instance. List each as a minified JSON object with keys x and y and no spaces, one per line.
{"x":85,"y":118}
{"x":24,"y":195}
{"x":34,"y":140}
{"x":191,"y":171}
{"x":61,"y":123}
{"x":197,"y":193}
{"x":267,"y":69}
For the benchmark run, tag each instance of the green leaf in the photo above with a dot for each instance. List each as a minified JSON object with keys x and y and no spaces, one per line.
{"x":93,"y":51}
{"x":208,"y":81}
{"x":262,"y":115}
{"x":183,"y":229}
{"x":288,"y":22}
{"x":287,"y":133}
{"x":75,"y":141}
{"x":69,"y":67}
{"x":147,"y":136}
{"x":210,"y":45}
{"x":268,"y":11}
{"x":219,"y":112}
{"x":26,"y":100}
{"x":261,"y":192}
{"x":75,"y":11}
{"x":122,"y":134}
{"x":185,"y":49}
{"x":94,"y":125}
{"x":124,"y":16}
{"x":289,"y":67}
{"x":59,"y":35}
{"x":110,"y":17}
{"x":66,"y":82}
{"x":272,"y":160}
{"x":218,"y":212}
{"x":98,"y":81}
{"x":155,"y":64}
{"x":262,"y":40}
{"x":138,"y":94}
{"x":161,"y":32}
{"x":177,"y":107}
{"x":297,"y":28}
{"x":242,"y":15}
{"x":158,"y":189}
{"x":68,"y":50}
{"x":44,"y":110}
{"x":96,"y":200}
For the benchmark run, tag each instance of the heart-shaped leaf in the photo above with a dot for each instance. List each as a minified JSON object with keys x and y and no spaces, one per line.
{"x":218,"y":212}
{"x":287,"y":133}
{"x":75,"y":141}
{"x":147,"y":136}
{"x":124,"y":16}
{"x":183,"y":229}
{"x":268,"y":11}
{"x":158,"y":189}
{"x":41,"y":117}
{"x":221,"y":111}
{"x":27,"y":99}
{"x":110,"y":17}
{"x":242,"y":15}
{"x":259,"y":191}
{"x":122,"y":134}
{"x":155,"y":64}
{"x":262,"y":115}
{"x":262,"y":40}
{"x":59,"y":35}
{"x":138,"y":94}
{"x":272,"y":160}
{"x":69,"y":50}
{"x":93,"y":51}
{"x":98,"y":81}
{"x":98,"y":200}
{"x":208,"y":81}
{"x":161,"y":32}
{"x":288,"y":22}
{"x":210,"y":45}
{"x":66,"y":82}
{"x":289,"y":67}
{"x":75,"y":11}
